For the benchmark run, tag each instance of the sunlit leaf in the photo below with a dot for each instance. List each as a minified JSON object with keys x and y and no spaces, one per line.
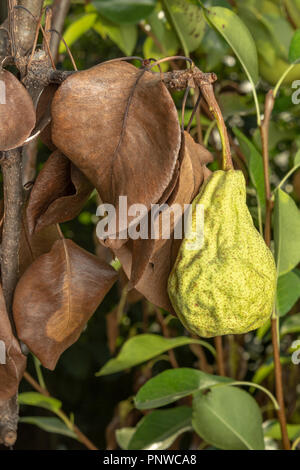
{"x":42,"y":401}
{"x":77,"y":29}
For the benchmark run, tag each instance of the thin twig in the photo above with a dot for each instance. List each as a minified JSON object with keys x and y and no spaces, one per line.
{"x":264,"y":131}
{"x":166,"y":334}
{"x":220,"y":355}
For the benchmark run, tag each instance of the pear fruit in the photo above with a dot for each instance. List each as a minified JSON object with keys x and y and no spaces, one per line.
{"x":227,"y":286}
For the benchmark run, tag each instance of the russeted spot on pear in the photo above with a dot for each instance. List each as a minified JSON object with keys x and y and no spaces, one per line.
{"x":228,"y":285}
{"x":17,"y":113}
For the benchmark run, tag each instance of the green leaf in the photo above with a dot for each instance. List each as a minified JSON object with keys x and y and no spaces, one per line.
{"x":125,"y":11}
{"x":143,"y":347}
{"x":173,"y":384}
{"x":272,"y":430}
{"x":124,"y":436}
{"x":294,"y":51}
{"x":123,"y":35}
{"x":233,"y":104}
{"x":228,"y":418}
{"x":53,"y":425}
{"x":255,"y":165}
{"x":37,"y":399}
{"x":188,"y":22}
{"x":77,"y":29}
{"x":215,"y":48}
{"x":159,"y":429}
{"x":290,"y":324}
{"x":288,"y":291}
{"x":286,"y":232}
{"x":237,"y":35}
{"x":163,"y":31}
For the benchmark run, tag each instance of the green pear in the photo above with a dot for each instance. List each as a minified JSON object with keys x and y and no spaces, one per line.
{"x":227,"y":286}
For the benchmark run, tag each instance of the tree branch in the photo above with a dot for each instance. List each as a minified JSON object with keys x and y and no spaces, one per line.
{"x":25,"y":25}
{"x":264,"y":131}
{"x":60,"y":10}
{"x":22,"y":27}
{"x":13,"y":200}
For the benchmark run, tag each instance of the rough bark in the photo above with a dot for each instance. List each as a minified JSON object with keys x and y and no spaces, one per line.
{"x":22,"y":27}
{"x":25,"y":25}
{"x":12,"y":186}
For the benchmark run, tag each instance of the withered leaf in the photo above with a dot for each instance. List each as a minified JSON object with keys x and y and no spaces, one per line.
{"x":13,"y":366}
{"x":153,"y":280}
{"x":153,"y":283}
{"x":119,"y":125}
{"x":17,"y":113}
{"x":34,"y":245}
{"x":43,"y":106}
{"x":58,"y":194}
{"x":56,"y":296}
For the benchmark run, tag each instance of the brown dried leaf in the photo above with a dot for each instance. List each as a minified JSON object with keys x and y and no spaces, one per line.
{"x":13,"y":369}
{"x":152,"y":282}
{"x":17,"y":113}
{"x":56,"y":296}
{"x":59,"y":193}
{"x":33,"y":246}
{"x":43,"y":106}
{"x":126,"y":137}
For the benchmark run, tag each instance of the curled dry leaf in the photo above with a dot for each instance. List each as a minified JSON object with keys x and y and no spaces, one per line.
{"x":17,"y":113}
{"x":56,"y":296}
{"x":12,"y":361}
{"x":191,"y":162}
{"x":34,"y":245}
{"x":153,"y":282}
{"x":43,"y":108}
{"x":59,"y":193}
{"x":123,"y":150}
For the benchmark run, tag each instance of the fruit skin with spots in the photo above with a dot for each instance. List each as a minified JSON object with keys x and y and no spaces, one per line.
{"x":228,"y":285}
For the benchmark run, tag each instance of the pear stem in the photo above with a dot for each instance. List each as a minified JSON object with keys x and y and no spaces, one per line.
{"x":208,"y":93}
{"x":264,"y":131}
